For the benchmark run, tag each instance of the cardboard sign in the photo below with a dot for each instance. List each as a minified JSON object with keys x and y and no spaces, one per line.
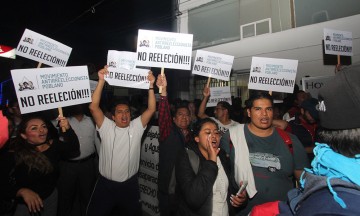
{"x":49,"y":88}
{"x":213,"y":65}
{"x":337,"y":42}
{"x":136,"y":78}
{"x":121,"y":60}
{"x":164,"y":49}
{"x":313,"y":85}
{"x":43,"y":49}
{"x":218,"y":94}
{"x":272,"y":74}
{"x":148,"y":171}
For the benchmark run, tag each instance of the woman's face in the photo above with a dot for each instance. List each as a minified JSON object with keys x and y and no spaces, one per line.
{"x":209,"y":133}
{"x":35,"y":132}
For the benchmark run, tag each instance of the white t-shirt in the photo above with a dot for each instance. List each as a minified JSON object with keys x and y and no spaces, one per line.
{"x":120,"y":149}
{"x":223,"y":128}
{"x":220,"y":192}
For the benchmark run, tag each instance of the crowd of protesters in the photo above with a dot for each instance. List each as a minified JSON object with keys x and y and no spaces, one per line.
{"x":86,"y":163}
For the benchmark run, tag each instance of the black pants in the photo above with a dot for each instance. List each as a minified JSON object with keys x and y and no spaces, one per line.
{"x":110,"y":195}
{"x":76,"y":182}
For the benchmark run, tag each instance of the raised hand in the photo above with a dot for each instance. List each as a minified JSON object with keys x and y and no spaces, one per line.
{"x":102,"y":72}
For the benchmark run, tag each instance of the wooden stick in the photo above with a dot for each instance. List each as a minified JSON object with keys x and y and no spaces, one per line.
{"x":338,"y":64}
{"x":208,"y":82}
{"x":162,"y":74}
{"x":270,"y":92}
{"x":39,"y":65}
{"x":63,"y":129}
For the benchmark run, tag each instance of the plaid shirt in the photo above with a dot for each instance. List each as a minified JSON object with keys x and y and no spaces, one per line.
{"x":165,"y":122}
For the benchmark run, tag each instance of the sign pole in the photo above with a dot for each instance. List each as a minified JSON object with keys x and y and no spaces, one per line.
{"x":63,"y":129}
{"x":208,"y":82}
{"x":162,"y":74}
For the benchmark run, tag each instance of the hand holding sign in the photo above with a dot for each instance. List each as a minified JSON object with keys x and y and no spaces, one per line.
{"x":151,"y":79}
{"x":103,"y":72}
{"x":206,"y":91}
{"x":162,"y":83}
{"x":63,"y":122}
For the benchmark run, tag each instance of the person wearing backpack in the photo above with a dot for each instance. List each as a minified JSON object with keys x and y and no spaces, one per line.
{"x":332,"y":185}
{"x":204,"y":184}
{"x":267,"y":157}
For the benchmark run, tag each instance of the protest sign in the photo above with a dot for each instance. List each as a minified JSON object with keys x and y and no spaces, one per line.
{"x":136,"y":78}
{"x":48,"y":88}
{"x":7,"y":52}
{"x":313,"y":85}
{"x":43,"y":49}
{"x":93,"y":85}
{"x":273,"y":74}
{"x":164,"y":49}
{"x":337,"y":42}
{"x":121,"y":60}
{"x":214,"y":65}
{"x":148,"y":171}
{"x":218,"y":94}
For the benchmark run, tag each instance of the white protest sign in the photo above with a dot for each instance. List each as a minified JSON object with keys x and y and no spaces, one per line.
{"x":337,"y":42}
{"x":49,"y":88}
{"x":218,"y":94}
{"x":148,"y":171}
{"x":164,"y":49}
{"x":121,"y":59}
{"x":215,"y":65}
{"x":272,"y":74}
{"x":93,"y":85}
{"x":136,"y":78}
{"x":313,"y":85}
{"x":43,"y":49}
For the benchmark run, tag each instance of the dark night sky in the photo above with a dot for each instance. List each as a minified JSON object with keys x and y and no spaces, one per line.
{"x":112,"y":24}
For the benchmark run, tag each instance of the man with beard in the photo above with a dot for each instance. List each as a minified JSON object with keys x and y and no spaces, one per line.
{"x":262,"y":154}
{"x":304,"y":126}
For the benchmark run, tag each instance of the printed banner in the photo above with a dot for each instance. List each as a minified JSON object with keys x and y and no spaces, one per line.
{"x":164,"y":49}
{"x":7,"y":52}
{"x":136,"y":78}
{"x":121,"y":59}
{"x":337,"y":42}
{"x":213,"y":65}
{"x":148,"y":172}
{"x":42,"y":49}
{"x":218,"y":94}
{"x":272,"y":74}
{"x":49,"y":88}
{"x":313,"y":85}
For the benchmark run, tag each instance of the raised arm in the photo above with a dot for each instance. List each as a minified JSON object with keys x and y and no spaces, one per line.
{"x":165,"y":121}
{"x":206,"y":94}
{"x":147,"y":114}
{"x":94,"y":106}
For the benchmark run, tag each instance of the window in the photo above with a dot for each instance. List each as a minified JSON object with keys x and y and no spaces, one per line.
{"x":215,"y":23}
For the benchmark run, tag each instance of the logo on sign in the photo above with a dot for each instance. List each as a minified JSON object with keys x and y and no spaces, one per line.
{"x":26,"y":85}
{"x":144,"y":43}
{"x":28,"y":40}
{"x":112,"y":64}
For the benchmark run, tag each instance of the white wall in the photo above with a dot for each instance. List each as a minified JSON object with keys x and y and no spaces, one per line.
{"x":303,"y":44}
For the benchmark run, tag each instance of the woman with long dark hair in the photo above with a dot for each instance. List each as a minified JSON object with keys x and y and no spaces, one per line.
{"x":30,"y":168}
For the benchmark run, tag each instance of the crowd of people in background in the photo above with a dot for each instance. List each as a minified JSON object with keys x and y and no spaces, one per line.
{"x":86,"y":163}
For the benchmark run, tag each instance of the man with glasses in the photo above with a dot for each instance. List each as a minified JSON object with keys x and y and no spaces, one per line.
{"x":222,"y":112}
{"x":174,"y":136}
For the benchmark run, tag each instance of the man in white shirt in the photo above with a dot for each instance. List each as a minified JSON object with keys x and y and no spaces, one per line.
{"x":117,"y":186}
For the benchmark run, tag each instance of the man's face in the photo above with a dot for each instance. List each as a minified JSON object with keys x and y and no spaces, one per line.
{"x":219,"y":111}
{"x":122,"y":115}
{"x":261,"y":114}
{"x":182,"y":118}
{"x":307,"y":116}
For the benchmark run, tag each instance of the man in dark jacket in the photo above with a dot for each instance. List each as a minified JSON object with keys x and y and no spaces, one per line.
{"x":174,"y":136}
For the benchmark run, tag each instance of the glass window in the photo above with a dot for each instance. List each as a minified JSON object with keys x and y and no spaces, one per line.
{"x":309,"y":12}
{"x":215,"y":23}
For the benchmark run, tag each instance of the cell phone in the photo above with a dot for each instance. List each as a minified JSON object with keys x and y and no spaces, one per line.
{"x":242,"y":188}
